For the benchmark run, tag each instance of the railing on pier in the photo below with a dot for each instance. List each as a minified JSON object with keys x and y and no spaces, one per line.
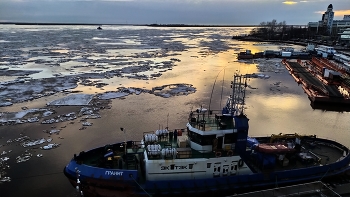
{"x":325,"y":63}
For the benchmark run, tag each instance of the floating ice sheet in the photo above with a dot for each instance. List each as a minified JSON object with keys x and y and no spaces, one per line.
{"x":73,"y":99}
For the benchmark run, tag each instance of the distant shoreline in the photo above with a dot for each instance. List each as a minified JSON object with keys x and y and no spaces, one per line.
{"x":185,"y":25}
{"x":150,"y":25}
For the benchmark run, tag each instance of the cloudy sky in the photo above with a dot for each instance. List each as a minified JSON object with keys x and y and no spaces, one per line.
{"x":230,"y":12}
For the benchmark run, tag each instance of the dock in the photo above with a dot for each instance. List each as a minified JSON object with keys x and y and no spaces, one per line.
{"x":320,"y":89}
{"x":274,"y":54}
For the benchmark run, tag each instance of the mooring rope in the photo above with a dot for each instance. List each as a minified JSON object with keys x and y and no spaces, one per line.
{"x":140,"y":186}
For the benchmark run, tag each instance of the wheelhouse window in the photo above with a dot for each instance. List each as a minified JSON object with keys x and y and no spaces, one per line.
{"x":208,"y":139}
{"x":201,"y":139}
{"x":230,"y":138}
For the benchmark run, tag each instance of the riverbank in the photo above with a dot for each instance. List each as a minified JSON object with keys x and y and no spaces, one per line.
{"x":294,"y":42}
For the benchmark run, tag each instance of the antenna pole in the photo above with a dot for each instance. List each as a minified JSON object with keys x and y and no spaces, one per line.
{"x":167,"y":120}
{"x":122,"y":129}
{"x":222,"y":88}
{"x":212,"y":90}
{"x":233,"y":99}
{"x":240,"y":92}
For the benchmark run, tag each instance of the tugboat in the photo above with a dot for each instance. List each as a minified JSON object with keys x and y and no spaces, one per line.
{"x":213,"y":155}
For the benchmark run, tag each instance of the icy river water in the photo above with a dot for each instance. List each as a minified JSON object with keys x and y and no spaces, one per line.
{"x":141,"y":78}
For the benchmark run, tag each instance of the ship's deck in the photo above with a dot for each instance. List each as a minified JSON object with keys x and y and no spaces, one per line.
{"x":118,"y":160}
{"x":311,"y":154}
{"x":316,"y":154}
{"x":184,"y":151}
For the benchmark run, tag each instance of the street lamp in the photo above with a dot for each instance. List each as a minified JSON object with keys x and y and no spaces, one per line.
{"x":122,"y":129}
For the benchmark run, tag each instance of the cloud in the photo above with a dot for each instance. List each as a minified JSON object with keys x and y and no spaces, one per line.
{"x":289,"y":2}
{"x":337,"y":12}
{"x":166,"y":11}
{"x":341,"y":12}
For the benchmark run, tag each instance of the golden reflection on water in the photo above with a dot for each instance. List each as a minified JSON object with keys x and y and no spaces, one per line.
{"x":285,"y":102}
{"x":201,"y":71}
{"x":253,"y":48}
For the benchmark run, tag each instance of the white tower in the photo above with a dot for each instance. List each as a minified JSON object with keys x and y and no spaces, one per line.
{"x":327,"y":18}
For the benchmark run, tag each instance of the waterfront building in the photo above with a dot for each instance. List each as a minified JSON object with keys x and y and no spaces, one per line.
{"x":327,"y":19}
{"x":345,"y":36}
{"x":329,"y":26}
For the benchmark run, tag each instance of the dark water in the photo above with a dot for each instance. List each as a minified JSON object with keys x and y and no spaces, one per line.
{"x":207,"y":58}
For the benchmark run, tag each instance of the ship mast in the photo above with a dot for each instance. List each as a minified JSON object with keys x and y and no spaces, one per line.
{"x":238,"y":85}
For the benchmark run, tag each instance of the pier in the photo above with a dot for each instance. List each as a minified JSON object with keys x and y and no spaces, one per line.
{"x":319,"y":89}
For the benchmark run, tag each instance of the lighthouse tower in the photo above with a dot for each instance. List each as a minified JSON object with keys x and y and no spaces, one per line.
{"x":327,"y":19}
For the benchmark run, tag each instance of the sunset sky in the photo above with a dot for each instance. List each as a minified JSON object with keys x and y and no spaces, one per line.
{"x":230,"y":12}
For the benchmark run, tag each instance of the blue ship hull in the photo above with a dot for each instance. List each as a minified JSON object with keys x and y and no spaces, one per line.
{"x":96,"y":181}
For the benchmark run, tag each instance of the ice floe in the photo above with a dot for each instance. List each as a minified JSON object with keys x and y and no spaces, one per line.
{"x":5,"y":179}
{"x":112,"y":95}
{"x":86,"y":123}
{"x":50,"y":146}
{"x":25,"y":142}
{"x":52,"y":131}
{"x":270,"y":65}
{"x":23,"y":158}
{"x":167,"y":91}
{"x":33,"y":143}
{"x":74,"y":99}
{"x":18,"y":91}
{"x":19,"y":117}
{"x":5,"y":104}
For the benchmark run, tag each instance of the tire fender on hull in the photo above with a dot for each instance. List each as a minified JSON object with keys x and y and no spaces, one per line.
{"x":240,"y":163}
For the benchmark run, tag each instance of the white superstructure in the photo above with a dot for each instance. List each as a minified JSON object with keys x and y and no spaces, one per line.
{"x":164,"y":161}
{"x":325,"y":51}
{"x":343,"y":59}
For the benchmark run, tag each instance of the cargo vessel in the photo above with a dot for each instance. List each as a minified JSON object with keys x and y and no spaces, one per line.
{"x":212,"y":155}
